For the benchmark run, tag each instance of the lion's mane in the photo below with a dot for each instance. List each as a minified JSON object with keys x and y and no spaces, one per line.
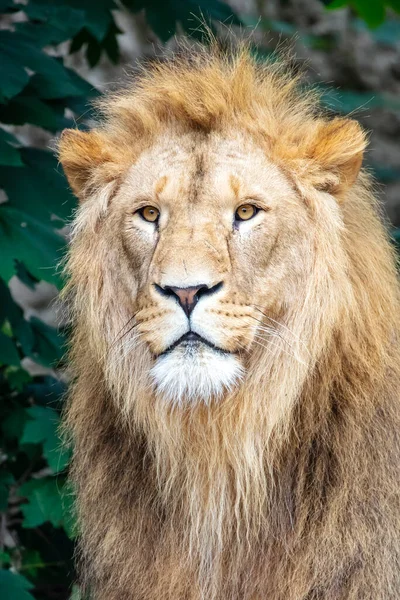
{"x":215,"y":502}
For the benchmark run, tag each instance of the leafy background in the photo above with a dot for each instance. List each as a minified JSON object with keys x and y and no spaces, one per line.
{"x":54,"y":57}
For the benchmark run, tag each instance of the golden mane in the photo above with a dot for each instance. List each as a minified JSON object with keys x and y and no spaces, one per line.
{"x":210,"y":91}
{"x":288,"y":489}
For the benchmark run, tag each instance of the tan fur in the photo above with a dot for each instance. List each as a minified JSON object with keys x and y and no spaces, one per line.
{"x":286,"y":487}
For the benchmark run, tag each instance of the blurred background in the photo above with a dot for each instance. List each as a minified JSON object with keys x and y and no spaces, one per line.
{"x":56,"y":56}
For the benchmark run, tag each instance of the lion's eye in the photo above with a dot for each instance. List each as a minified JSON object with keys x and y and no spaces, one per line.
{"x":149,"y":213}
{"x":246,"y":212}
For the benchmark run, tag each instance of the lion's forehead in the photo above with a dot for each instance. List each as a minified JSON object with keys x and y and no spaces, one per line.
{"x":176,"y":168}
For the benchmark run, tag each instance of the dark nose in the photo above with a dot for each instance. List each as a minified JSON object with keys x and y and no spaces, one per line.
{"x":188,"y":297}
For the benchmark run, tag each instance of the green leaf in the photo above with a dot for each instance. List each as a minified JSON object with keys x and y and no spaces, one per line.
{"x":110,"y":43}
{"x":51,"y":194}
{"x":19,"y":54}
{"x":335,"y":4}
{"x":134,"y":5}
{"x":81,"y":107}
{"x":8,"y":351}
{"x":94,"y":48}
{"x":372,"y":11}
{"x":43,"y":428}
{"x":13,"y":425}
{"x":27,"y":108}
{"x":162,"y":20}
{"x":85,"y":89}
{"x":13,"y":75}
{"x":8,"y":6}
{"x":5,"y":558}
{"x":11,"y":312}
{"x":163,"y":15}
{"x":216,"y":10}
{"x":394,"y":4}
{"x":9,"y":155}
{"x":31,"y":562}
{"x":98,"y":15}
{"x":17,"y":378}
{"x":48,"y":345}
{"x":93,"y":51}
{"x":27,"y":239}
{"x":55,"y":87}
{"x":14,"y":586}
{"x":44,"y":503}
{"x":24,"y":276}
{"x":50,"y":23}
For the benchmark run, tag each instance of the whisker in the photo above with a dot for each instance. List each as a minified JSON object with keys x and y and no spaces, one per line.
{"x":126,"y":332}
{"x":291,"y":354}
{"x":122,"y":328}
{"x":255,"y":339}
{"x":272,"y":331}
{"x":283,"y":327}
{"x":276,"y":333}
{"x":125,"y":348}
{"x":266,"y":328}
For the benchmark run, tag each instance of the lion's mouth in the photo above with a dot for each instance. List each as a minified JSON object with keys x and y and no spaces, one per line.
{"x":192,"y":339}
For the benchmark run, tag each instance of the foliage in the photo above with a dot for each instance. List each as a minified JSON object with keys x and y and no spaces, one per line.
{"x":38,"y":90}
{"x":372,"y":11}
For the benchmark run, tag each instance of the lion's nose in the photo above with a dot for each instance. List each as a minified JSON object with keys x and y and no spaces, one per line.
{"x":188,"y":297}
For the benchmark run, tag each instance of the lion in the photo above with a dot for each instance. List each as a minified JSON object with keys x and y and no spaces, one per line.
{"x":235,"y":307}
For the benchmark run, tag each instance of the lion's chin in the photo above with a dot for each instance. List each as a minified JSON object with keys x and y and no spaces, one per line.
{"x":195,"y":374}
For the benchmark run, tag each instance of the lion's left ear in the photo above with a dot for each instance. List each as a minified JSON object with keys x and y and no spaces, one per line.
{"x":337,"y":150}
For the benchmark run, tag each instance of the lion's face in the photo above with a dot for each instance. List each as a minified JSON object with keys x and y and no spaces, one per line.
{"x":208,"y":252}
{"x":212,"y":237}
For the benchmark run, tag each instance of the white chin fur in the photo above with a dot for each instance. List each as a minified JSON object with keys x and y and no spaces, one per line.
{"x":195,"y":374}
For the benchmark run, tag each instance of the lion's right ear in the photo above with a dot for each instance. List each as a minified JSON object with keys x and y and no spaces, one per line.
{"x":81,"y":153}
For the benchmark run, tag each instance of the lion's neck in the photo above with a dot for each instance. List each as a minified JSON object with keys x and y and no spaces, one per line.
{"x":214,"y":494}
{"x":213,"y":475}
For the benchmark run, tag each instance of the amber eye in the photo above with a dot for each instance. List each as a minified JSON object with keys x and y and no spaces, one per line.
{"x":246,"y":212}
{"x":149,"y":213}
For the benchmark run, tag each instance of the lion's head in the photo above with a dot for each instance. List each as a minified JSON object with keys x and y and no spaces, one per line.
{"x":234,"y":301}
{"x":209,"y":199}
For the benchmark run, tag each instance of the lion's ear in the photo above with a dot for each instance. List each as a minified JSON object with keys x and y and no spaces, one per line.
{"x":337,"y":149}
{"x":80,"y":153}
